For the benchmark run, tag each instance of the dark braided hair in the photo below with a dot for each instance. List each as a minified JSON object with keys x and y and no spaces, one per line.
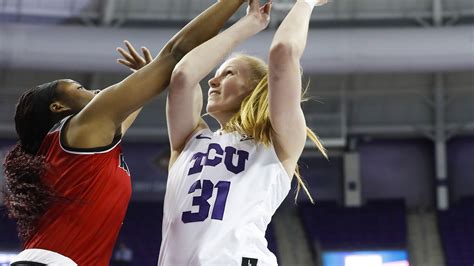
{"x":26,"y":196}
{"x":33,"y":118}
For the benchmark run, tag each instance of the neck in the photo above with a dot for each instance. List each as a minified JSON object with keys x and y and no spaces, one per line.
{"x":222,"y":118}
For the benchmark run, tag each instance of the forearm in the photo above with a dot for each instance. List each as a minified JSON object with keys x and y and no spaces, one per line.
{"x":293,"y":31}
{"x":203,"y":27}
{"x":201,"y":60}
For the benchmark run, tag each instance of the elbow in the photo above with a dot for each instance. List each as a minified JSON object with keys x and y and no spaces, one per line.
{"x":178,"y":52}
{"x":283,"y":50}
{"x":182,"y":45}
{"x":175,"y":49}
{"x":286,"y":49}
{"x":179,"y":77}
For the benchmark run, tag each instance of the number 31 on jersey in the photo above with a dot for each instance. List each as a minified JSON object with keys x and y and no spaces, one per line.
{"x":202,"y":201}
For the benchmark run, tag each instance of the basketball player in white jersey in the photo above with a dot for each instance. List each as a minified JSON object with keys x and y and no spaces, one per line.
{"x":224,"y":186}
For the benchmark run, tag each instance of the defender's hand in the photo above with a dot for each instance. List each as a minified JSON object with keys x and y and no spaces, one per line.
{"x":132,"y":59}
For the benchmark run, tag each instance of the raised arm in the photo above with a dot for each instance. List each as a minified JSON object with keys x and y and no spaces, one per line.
{"x":105,"y":114}
{"x":133,"y":60}
{"x":184,"y":101}
{"x":286,"y":115}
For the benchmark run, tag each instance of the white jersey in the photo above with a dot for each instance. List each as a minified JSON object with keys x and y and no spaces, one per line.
{"x":221,"y":194}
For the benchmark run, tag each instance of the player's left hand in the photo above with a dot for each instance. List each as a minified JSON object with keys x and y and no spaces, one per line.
{"x":132,"y":59}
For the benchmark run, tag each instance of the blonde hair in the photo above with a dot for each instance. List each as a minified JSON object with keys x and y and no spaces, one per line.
{"x":253,"y":117}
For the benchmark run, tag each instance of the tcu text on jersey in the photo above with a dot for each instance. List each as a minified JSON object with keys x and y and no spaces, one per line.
{"x":215,"y":155}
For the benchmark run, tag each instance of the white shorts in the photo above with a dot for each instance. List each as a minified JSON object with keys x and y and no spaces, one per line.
{"x":47,"y":257}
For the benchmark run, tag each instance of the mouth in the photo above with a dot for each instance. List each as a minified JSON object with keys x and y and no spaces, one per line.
{"x":214,"y":92}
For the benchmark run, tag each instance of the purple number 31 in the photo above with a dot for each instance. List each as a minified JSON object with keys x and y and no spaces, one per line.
{"x":207,"y":189}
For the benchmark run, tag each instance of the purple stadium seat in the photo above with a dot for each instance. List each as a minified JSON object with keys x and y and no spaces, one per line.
{"x":379,"y":224}
{"x":457,"y":232}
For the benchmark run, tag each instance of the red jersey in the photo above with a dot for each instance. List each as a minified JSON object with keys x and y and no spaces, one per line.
{"x":96,"y":187}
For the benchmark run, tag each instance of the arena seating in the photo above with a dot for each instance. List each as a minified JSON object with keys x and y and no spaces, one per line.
{"x":376,"y":225}
{"x":456,"y":227}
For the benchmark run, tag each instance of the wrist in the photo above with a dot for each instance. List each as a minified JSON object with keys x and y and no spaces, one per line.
{"x":311,"y":3}
{"x":251,"y":24}
{"x":239,"y":1}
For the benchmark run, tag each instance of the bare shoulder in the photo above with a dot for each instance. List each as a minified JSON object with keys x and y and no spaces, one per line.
{"x":80,"y":134}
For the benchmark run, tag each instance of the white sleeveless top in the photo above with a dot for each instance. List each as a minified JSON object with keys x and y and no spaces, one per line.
{"x":221,"y":194}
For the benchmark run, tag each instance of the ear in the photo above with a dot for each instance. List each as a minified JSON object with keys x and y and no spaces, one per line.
{"x":57,"y":107}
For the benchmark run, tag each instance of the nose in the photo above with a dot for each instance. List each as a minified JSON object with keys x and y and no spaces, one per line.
{"x":214,"y":82}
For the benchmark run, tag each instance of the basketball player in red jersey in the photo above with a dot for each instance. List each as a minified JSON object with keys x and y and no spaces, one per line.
{"x":67,"y":184}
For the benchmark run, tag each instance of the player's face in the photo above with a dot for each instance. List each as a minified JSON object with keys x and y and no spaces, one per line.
{"x":74,"y":95}
{"x":229,"y":87}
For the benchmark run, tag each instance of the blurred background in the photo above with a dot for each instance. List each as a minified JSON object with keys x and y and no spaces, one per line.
{"x":392,"y":96}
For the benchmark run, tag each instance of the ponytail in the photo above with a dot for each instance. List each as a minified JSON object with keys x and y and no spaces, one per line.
{"x":26,"y":196}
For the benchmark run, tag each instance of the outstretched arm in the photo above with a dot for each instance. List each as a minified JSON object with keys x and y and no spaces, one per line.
{"x":109,"y":109}
{"x":185,"y":96}
{"x":133,"y":60}
{"x":286,"y":115}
